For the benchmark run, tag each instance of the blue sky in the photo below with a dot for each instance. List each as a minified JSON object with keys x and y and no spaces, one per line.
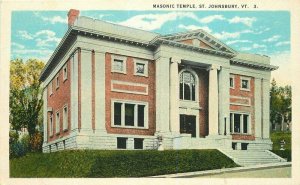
{"x":35,"y":34}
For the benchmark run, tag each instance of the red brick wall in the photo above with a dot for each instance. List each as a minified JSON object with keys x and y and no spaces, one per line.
{"x":202,"y":76}
{"x":202,"y":44}
{"x":203,"y":98}
{"x":130,"y":77}
{"x":58,"y":100}
{"x":250,"y":109}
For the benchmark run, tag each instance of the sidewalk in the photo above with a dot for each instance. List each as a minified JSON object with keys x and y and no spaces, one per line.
{"x":275,"y":170}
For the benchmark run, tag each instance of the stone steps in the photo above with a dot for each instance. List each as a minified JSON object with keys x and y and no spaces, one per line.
{"x":252,"y":157}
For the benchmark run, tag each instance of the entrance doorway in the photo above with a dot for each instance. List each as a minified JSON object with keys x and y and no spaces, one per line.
{"x":188,"y":124}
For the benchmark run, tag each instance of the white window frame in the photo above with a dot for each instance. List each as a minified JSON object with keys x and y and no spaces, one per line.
{"x":117,"y":57}
{"x":57,"y":81}
{"x":249,"y":85}
{"x":241,"y":123}
{"x":50,"y":86}
{"x":51,"y":124}
{"x":196,"y":85}
{"x":231,"y":77}
{"x":65,"y":118}
{"x":65,"y":72}
{"x":57,"y":122}
{"x":136,"y":103}
{"x":145,"y":63}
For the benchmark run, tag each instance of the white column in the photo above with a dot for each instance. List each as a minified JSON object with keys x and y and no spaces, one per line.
{"x":174,"y":95}
{"x":86,"y":90}
{"x":213,"y":107}
{"x":45,"y":113}
{"x":100,"y":92}
{"x":162,"y":93}
{"x":266,"y":108}
{"x":74,"y":91}
{"x":258,"y":107}
{"x":224,"y":100}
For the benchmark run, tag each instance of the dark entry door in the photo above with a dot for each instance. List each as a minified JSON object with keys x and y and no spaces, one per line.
{"x":188,"y":124}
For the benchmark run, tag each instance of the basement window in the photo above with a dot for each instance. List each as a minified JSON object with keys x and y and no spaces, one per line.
{"x":244,"y":146}
{"x":138,"y":143}
{"x":121,"y":143}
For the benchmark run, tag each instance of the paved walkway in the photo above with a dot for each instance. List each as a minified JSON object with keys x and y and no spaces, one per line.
{"x":279,"y":172}
{"x":274,"y":170}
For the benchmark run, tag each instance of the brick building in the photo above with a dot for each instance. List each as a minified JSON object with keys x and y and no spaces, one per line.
{"x":108,"y":86}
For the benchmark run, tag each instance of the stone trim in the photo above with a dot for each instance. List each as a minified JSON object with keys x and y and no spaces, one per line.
{"x":129,"y":84}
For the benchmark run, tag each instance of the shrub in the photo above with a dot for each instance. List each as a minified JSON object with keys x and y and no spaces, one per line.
{"x":36,"y":142}
{"x":25,"y":141}
{"x":286,"y":154}
{"x":17,"y":149}
{"x":124,"y":163}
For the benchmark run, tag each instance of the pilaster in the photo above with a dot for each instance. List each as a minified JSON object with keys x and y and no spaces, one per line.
{"x":213,"y":104}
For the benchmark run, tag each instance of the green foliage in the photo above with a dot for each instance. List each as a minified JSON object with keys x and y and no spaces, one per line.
{"x":280,"y":103}
{"x":36,"y":142}
{"x":277,"y":137}
{"x":25,"y":94}
{"x":91,"y":163}
{"x":286,"y":154}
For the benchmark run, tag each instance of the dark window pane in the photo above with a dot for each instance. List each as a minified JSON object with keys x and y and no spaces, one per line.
{"x":231,"y":82}
{"x":237,"y":123}
{"x":140,"y":68}
{"x":231,"y":122}
{"x":129,"y":114}
{"x":141,"y":115}
{"x":117,"y":113}
{"x":121,"y":142}
{"x":181,"y":91}
{"x":245,"y":124}
{"x":187,"y":92}
{"x":193,"y":92}
{"x":138,"y":143}
{"x":245,"y":84}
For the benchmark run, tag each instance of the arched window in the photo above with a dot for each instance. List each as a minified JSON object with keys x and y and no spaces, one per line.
{"x":187,"y":86}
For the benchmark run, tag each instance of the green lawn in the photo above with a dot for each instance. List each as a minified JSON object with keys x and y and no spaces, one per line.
{"x":97,"y":163}
{"x":276,"y":137}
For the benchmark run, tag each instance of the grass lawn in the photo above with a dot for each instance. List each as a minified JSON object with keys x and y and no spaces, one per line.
{"x":276,"y":137}
{"x":120,"y":163}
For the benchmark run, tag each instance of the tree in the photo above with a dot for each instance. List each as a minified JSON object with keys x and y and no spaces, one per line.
{"x":25,"y":94}
{"x":280,"y":103}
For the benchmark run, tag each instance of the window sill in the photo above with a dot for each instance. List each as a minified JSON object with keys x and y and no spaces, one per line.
{"x":130,"y":127}
{"x":244,"y":134}
{"x":242,"y":89}
{"x":141,"y":75}
{"x":120,"y":72}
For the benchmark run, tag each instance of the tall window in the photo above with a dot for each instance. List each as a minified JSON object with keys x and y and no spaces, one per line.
{"x":57,"y":122}
{"x":65,"y":118}
{"x":129,"y":114}
{"x":239,"y":123}
{"x":187,"y":86}
{"x":51,"y":124}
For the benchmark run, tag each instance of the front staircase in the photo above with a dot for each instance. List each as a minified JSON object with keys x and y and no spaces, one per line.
{"x":252,"y":157}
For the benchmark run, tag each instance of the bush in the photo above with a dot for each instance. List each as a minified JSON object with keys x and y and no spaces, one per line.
{"x":36,"y":142}
{"x":17,"y":149}
{"x":124,"y":163}
{"x":277,"y":137}
{"x":286,"y":154}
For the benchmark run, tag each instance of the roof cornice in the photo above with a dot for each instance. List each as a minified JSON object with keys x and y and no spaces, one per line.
{"x":247,"y":63}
